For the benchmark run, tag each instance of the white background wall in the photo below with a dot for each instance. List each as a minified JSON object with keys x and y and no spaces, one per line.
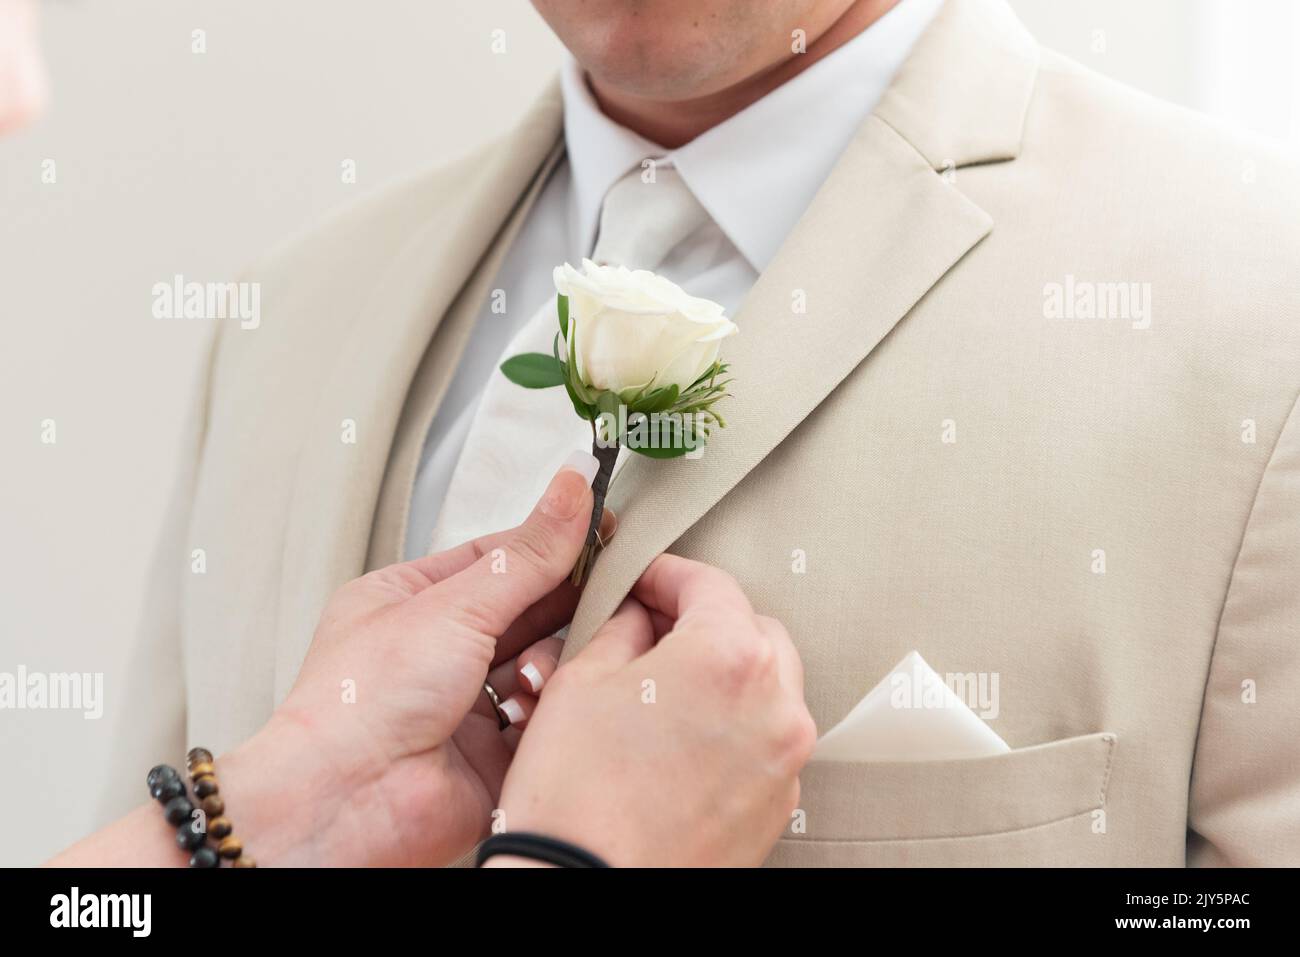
{"x":172,"y":162}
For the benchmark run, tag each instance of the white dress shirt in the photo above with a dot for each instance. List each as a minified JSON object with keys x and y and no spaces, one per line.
{"x":755,"y":174}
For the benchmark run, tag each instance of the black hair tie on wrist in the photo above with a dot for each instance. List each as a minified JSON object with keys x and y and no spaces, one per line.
{"x":538,"y":847}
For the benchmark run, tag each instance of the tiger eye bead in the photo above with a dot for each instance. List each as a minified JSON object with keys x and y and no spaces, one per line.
{"x":213,"y":806}
{"x":219,"y":827}
{"x":230,"y":848}
{"x":242,"y":861}
{"x":205,"y":786}
{"x":198,"y":756}
{"x":201,"y":769}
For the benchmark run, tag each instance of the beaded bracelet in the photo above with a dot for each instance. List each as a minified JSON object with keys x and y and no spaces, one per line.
{"x":203,"y":777}
{"x":168,"y":789}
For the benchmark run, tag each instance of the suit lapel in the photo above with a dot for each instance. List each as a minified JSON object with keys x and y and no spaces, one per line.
{"x":442,"y":358}
{"x":337,"y":484}
{"x":784,"y":364}
{"x":882,"y":230}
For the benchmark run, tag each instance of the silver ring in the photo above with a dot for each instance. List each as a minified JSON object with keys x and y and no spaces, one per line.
{"x":495,"y":698}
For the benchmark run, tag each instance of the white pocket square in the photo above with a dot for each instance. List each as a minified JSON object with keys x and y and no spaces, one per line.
{"x":911,"y":715}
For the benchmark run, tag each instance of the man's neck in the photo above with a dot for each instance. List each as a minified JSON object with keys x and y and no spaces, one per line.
{"x":673,"y":123}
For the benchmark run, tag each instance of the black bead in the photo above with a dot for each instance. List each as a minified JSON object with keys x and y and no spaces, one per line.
{"x":205,"y":857}
{"x":178,"y":810}
{"x":167,"y":788}
{"x":161,"y":773}
{"x":189,"y":839}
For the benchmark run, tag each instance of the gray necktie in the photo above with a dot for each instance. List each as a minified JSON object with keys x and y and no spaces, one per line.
{"x":641,"y":222}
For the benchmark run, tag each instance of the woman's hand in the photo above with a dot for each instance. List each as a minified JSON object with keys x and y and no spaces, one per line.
{"x":675,"y":737}
{"x":387,"y":735}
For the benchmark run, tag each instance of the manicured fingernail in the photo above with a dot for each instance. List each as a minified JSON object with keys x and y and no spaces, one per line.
{"x":532,"y":675}
{"x":513,"y":710}
{"x":564,"y":496}
{"x":584,"y":463}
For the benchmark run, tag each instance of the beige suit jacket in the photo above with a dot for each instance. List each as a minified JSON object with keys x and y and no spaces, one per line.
{"x":1105,"y":515}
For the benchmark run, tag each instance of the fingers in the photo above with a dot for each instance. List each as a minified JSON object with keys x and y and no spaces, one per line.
{"x":526,"y":564}
{"x":518,"y":708}
{"x":553,"y":611}
{"x":675,"y":589}
{"x":516,"y":702}
{"x":627,"y":635}
{"x":662,"y":623}
{"x":789,"y":664}
{"x":518,"y":682}
{"x":673,"y":586}
{"x":434,"y":568}
{"x":536,"y":664}
{"x":540,"y":620}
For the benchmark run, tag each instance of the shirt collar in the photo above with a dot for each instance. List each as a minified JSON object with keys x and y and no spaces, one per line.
{"x":600,"y":151}
{"x":758,"y":171}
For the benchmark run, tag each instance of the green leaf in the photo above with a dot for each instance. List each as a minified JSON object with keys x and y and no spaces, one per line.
{"x":658,"y":441}
{"x":574,"y":380}
{"x":607,"y":405}
{"x":607,"y":402}
{"x":533,"y":370}
{"x":562,"y":307}
{"x":630,"y":397}
{"x":663,"y":453}
{"x":584,"y":411}
{"x":716,"y":369}
{"x":658,"y":400}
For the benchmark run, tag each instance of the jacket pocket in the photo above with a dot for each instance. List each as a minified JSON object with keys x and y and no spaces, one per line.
{"x":1027,"y":806}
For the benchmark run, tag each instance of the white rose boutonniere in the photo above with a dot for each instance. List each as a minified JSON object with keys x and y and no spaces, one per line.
{"x":639,"y":359}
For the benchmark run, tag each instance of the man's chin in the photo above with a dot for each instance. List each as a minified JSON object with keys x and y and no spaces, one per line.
{"x":660,"y":85}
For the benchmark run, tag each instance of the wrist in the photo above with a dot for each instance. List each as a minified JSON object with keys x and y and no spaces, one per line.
{"x":280,"y":795}
{"x":315,"y":799}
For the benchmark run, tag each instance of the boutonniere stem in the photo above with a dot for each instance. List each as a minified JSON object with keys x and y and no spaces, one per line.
{"x":607,"y":455}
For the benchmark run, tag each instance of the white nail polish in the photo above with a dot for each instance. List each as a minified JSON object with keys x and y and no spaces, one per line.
{"x":584,"y":463}
{"x":533,"y":676}
{"x":513,"y":710}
